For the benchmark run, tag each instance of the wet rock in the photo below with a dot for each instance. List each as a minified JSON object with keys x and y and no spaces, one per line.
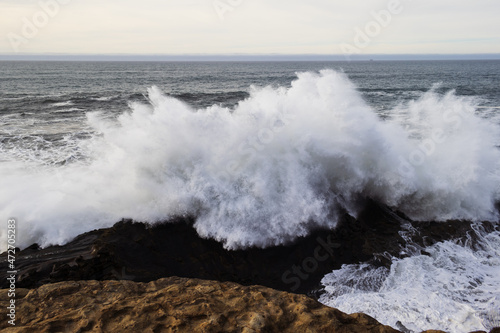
{"x":143,"y":253}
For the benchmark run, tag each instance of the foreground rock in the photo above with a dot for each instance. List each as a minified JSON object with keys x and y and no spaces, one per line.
{"x":175,"y":305}
{"x":139,"y":252}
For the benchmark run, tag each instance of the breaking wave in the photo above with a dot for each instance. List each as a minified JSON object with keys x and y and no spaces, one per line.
{"x":453,"y":287}
{"x":279,"y":164}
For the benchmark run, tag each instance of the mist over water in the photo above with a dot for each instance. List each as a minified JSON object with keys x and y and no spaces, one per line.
{"x":278,"y":164}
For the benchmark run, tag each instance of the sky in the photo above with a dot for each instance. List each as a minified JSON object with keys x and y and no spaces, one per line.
{"x":180,"y":27}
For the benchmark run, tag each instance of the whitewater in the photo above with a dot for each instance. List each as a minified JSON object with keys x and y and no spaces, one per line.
{"x":279,"y":164}
{"x":454,"y":286}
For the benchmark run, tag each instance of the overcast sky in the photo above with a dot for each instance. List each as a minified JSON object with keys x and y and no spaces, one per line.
{"x":249,"y":26}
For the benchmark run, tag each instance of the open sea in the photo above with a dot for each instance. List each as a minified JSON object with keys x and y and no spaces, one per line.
{"x":263,"y":153}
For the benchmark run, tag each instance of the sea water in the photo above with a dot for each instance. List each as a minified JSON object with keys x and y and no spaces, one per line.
{"x":263,"y":153}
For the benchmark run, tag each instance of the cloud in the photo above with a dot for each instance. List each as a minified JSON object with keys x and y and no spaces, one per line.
{"x":253,"y":26}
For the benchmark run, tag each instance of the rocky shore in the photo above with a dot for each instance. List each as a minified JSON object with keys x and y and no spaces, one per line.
{"x":143,"y":253}
{"x":126,"y":278}
{"x":176,"y":305}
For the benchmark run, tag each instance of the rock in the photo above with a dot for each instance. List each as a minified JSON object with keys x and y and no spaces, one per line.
{"x":176,"y":305}
{"x":143,"y":253}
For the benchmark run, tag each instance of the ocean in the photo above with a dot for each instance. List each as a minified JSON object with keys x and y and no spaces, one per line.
{"x":263,"y":153}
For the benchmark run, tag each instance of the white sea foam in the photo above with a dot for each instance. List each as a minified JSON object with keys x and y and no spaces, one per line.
{"x":454,"y":289}
{"x":66,"y":103}
{"x":103,"y":99}
{"x":280,"y":163}
{"x":67,"y":110}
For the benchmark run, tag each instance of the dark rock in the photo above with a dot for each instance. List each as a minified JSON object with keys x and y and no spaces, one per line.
{"x":402,"y":327}
{"x":140,"y":252}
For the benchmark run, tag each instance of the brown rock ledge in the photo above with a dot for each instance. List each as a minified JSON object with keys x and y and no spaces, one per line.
{"x":175,"y":305}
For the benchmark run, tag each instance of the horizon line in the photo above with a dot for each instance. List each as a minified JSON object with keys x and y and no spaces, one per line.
{"x":245,"y":57}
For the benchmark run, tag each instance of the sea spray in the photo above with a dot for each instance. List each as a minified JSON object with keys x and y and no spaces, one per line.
{"x":280,"y":163}
{"x":453,"y":287}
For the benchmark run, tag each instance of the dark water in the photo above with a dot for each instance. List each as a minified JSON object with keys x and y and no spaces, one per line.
{"x":57,"y":95}
{"x":32,"y":86}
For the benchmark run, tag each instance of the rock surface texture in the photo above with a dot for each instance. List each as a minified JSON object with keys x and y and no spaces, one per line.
{"x":175,"y":305}
{"x":125,"y":278}
{"x":143,"y":253}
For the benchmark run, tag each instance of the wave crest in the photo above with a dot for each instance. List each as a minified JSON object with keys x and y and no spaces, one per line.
{"x":280,"y":163}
